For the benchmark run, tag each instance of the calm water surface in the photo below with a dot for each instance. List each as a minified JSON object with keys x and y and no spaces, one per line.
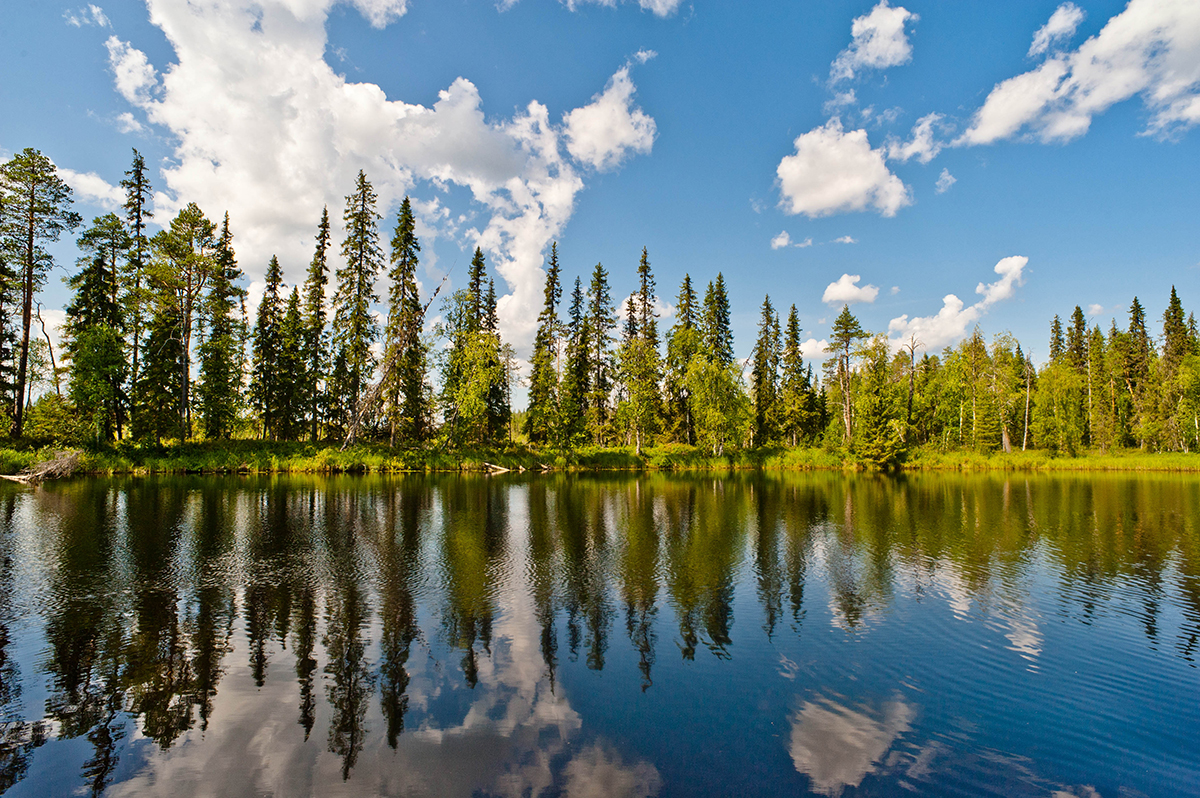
{"x":592,"y":636}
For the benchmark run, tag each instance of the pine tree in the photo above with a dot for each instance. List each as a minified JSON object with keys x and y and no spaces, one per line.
{"x":408,"y":400}
{"x":499,"y":399}
{"x":541,"y":421}
{"x":182,"y":267}
{"x":354,"y":327}
{"x":683,"y":344}
{"x":138,"y":193}
{"x":718,"y":335}
{"x":222,"y":355}
{"x":601,"y":322}
{"x":845,"y":331}
{"x":764,"y":376}
{"x":639,"y":359}
{"x":315,"y":349}
{"x":267,"y":377}
{"x":93,"y":330}
{"x":37,"y":211}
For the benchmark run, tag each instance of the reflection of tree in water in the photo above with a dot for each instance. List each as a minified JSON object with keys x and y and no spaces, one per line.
{"x":399,"y":548}
{"x":639,"y":572}
{"x":83,"y":626}
{"x":18,"y":737}
{"x":543,"y":544}
{"x":474,"y":519}
{"x":582,"y":522}
{"x":706,"y":524}
{"x":347,"y":613}
{"x":767,"y":571}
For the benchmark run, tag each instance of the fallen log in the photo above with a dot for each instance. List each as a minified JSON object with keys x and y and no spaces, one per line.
{"x":63,"y":464}
{"x":495,"y":469}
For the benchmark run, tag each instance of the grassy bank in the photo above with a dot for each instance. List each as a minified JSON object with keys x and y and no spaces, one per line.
{"x":247,"y":456}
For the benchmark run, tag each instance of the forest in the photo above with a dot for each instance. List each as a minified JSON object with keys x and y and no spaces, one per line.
{"x":157,"y":350}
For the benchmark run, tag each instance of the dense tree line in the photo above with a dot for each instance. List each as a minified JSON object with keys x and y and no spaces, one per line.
{"x":158,"y":346}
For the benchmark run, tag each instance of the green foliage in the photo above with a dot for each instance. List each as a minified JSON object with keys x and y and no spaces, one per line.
{"x":719,"y":405}
{"x":542,"y":421}
{"x":315,"y":348}
{"x":407,"y":394}
{"x":879,"y":431}
{"x":267,"y":379}
{"x":222,"y":353}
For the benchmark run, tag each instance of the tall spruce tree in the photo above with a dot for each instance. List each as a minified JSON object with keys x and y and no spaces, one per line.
{"x":1177,"y":342}
{"x":315,"y":348}
{"x":94,"y":326}
{"x":795,"y":390}
{"x":1077,"y":336}
{"x":577,"y":371}
{"x":354,"y":327}
{"x":408,"y":399}
{"x":1058,"y":344}
{"x":138,"y":194}
{"x":157,"y":392}
{"x":718,"y":335}
{"x":222,"y":353}
{"x":37,"y":211}
{"x":683,"y":344}
{"x":267,"y":377}
{"x":542,"y":418}
{"x":640,"y":363}
{"x":601,"y":323}
{"x":764,"y":376}
{"x":291,"y":364}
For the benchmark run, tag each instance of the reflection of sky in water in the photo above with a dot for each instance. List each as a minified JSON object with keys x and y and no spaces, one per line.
{"x":669,"y":636}
{"x":837,"y":746}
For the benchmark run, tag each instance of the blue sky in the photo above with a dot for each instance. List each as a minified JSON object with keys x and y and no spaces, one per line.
{"x":1062,"y":135}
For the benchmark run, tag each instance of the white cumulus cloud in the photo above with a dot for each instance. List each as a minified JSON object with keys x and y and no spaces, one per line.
{"x":812,"y":349}
{"x":1151,"y":49}
{"x":92,"y":188}
{"x":878,"y":41}
{"x":952,"y":321}
{"x":921,"y":146}
{"x":944,"y":181}
{"x":846,"y":291}
{"x":1061,"y":26}
{"x":846,"y":240}
{"x":835,"y":170}
{"x":603,"y":132}
{"x":782,"y":240}
{"x":264,"y":128}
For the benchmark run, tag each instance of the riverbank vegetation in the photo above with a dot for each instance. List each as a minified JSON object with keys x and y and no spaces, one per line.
{"x":162,"y":370}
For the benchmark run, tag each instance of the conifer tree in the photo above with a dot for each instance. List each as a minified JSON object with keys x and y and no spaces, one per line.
{"x":180,"y":273}
{"x":764,"y":376}
{"x":315,"y":349}
{"x":267,"y":377}
{"x":37,"y":211}
{"x":138,"y":193}
{"x":639,"y":359}
{"x":408,"y":400}
{"x":354,"y":327}
{"x":601,"y":322}
{"x":795,"y":394}
{"x":845,"y":331}
{"x":1177,"y":342}
{"x":542,"y":419}
{"x":499,"y":399}
{"x":157,"y":392}
{"x":577,"y":372}
{"x":1057,"y":343}
{"x":94,"y":325}
{"x":880,"y":442}
{"x":291,"y":370}
{"x":683,"y":344}
{"x":1077,"y":336}
{"x":222,"y":354}
{"x":718,"y":335}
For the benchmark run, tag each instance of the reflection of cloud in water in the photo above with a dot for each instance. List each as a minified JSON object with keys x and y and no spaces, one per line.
{"x":596,"y":773}
{"x":511,"y":741}
{"x":836,"y":746}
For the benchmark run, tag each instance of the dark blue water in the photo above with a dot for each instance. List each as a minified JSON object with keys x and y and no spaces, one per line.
{"x":593,"y":636}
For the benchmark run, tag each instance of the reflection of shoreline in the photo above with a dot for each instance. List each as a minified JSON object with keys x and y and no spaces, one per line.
{"x":836,"y":747}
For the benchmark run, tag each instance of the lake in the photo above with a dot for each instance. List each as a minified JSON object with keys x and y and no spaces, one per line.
{"x":595,"y":635}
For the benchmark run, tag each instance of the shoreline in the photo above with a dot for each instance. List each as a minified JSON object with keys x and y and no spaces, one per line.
{"x":257,"y":457}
